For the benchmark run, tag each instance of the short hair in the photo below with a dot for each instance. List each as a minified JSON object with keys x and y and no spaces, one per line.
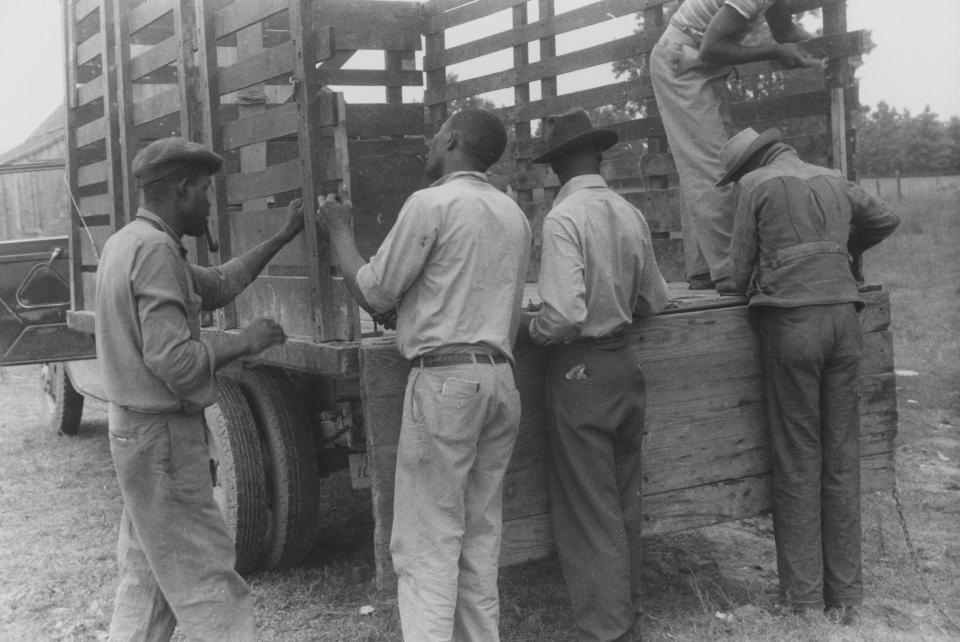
{"x":482,"y":134}
{"x":158,"y":189}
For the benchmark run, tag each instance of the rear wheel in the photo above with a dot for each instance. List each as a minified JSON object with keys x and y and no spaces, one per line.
{"x":62,"y":404}
{"x":236,"y":466}
{"x":290,"y":456}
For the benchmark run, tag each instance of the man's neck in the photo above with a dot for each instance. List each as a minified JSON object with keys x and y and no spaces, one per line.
{"x":167,"y":215}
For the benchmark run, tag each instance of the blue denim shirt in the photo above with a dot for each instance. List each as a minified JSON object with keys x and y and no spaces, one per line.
{"x":795,"y":226}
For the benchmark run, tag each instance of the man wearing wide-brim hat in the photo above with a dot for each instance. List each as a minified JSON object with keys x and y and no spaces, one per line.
{"x":796,"y":226}
{"x":597,"y":271}
{"x":175,"y":554}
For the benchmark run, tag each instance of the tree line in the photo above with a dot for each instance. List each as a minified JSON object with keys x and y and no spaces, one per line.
{"x":889,"y":141}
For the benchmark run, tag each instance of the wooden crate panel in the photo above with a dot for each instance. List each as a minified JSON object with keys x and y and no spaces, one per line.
{"x":250,"y":228}
{"x":157,"y":56}
{"x":147,"y":12}
{"x":243,"y":13}
{"x":164,"y":103}
{"x":268,"y":64}
{"x":271,"y":123}
{"x":275,"y":179}
{"x":286,"y":300}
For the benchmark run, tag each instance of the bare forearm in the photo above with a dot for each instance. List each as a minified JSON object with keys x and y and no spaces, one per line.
{"x":345,"y":248}
{"x":229,"y":349}
{"x":256,"y":258}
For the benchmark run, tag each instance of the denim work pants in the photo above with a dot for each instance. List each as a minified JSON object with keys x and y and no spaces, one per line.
{"x":691,"y":97}
{"x":811,"y":364}
{"x":459,"y":426}
{"x":596,"y":397}
{"x":174,"y":553}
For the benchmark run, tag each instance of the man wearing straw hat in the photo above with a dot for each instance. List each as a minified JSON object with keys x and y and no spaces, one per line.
{"x":795,"y":228}
{"x":597,"y":271}
{"x":175,"y":554}
{"x":688,"y":68}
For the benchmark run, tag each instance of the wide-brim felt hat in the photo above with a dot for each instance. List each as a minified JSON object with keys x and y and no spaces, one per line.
{"x":741,"y":147}
{"x":571,"y":130}
{"x":163,"y":157}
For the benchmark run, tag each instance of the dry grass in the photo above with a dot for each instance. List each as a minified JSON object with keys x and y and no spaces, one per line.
{"x":59,"y":507}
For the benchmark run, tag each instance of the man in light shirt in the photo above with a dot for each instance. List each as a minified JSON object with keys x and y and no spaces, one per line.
{"x":689,"y":66}
{"x":453,"y":266}
{"x":175,"y":555}
{"x":597,"y":271}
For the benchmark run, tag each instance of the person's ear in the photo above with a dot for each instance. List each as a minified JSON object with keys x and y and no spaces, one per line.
{"x":182,"y":186}
{"x":453,"y":140}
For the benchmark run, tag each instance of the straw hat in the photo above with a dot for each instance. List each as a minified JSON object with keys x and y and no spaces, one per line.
{"x":741,"y":147}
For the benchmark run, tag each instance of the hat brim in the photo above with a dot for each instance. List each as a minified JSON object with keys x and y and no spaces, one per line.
{"x":602,"y":138}
{"x":772,"y":135}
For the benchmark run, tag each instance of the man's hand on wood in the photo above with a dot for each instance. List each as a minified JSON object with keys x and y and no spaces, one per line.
{"x":261,"y":334}
{"x":294,"y":221}
{"x":334,"y":214}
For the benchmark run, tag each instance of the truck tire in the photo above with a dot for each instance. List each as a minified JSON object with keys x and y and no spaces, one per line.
{"x":290,"y":455}
{"x":62,"y":404}
{"x":236,"y":468}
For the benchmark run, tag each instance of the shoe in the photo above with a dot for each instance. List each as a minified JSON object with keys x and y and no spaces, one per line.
{"x":700,"y":282}
{"x":842,"y":615}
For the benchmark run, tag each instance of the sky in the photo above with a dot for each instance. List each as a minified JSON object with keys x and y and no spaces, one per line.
{"x":916,"y":61}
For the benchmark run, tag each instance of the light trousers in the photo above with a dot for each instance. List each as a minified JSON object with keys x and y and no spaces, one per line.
{"x":459,"y":426}
{"x":691,"y":97}
{"x":175,"y":554}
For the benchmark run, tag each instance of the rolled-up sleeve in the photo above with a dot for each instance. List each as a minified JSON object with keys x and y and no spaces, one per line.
{"x":182,"y":362}
{"x":219,"y":285}
{"x":562,"y":286}
{"x":400,"y":258}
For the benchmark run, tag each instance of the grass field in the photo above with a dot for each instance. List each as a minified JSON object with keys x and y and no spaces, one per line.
{"x":59,"y":509}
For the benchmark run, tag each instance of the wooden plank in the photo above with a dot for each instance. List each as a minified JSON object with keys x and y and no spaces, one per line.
{"x":272,"y":123}
{"x":376,"y":36}
{"x":367,"y":77}
{"x":243,"y":13}
{"x":521,"y":34}
{"x":90,"y":91}
{"x":90,"y":49}
{"x":252,"y":227}
{"x":147,"y":12}
{"x":91,"y":132}
{"x":95,"y":205}
{"x":157,"y":56}
{"x":92,"y":173}
{"x":589,"y":57}
{"x":84,"y":8}
{"x":89,"y":254}
{"x":68,"y":25}
{"x":334,"y":359}
{"x":273,"y":62}
{"x":286,"y":300}
{"x":613,"y":94}
{"x":466,"y":13}
{"x":369,"y":120}
{"x":162,"y":104}
{"x":275,"y":179}
{"x":662,"y":208}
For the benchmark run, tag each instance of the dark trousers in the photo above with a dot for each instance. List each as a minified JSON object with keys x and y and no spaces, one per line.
{"x":811,"y":364}
{"x":595,"y":404}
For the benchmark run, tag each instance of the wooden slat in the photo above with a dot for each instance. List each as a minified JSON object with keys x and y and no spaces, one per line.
{"x":273,"y":62}
{"x":284,"y":299}
{"x":402,"y":77}
{"x":275,"y":179}
{"x":91,"y":132}
{"x":662,"y":208}
{"x":157,"y":56}
{"x":95,"y":205}
{"x":370,"y":120}
{"x":90,"y":91}
{"x":332,"y":359}
{"x":89,"y":49}
{"x":591,"y":56}
{"x":466,"y":13}
{"x":375,"y":36}
{"x":146,"y":12}
{"x":243,"y":13}
{"x":92,"y":173}
{"x":154,"y":107}
{"x":84,"y":8}
{"x":250,"y":228}
{"x":569,"y":21}
{"x":272,"y":123}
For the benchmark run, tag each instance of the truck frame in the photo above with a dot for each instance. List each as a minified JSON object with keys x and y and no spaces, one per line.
{"x":259,"y":81}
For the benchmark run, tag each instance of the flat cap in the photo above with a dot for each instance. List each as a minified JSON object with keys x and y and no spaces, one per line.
{"x":167,"y":155}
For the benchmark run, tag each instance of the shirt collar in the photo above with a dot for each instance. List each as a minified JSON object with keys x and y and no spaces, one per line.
{"x":480,"y":176}
{"x":584,"y":181}
{"x":162,"y":224}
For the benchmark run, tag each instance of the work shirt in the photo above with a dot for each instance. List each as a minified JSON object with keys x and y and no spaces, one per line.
{"x":794,"y":227}
{"x":694,"y":16}
{"x":147,"y":318}
{"x":454,"y":266}
{"x":597,"y":267}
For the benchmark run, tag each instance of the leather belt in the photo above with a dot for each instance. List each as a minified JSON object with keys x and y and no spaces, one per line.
{"x":455,"y":358}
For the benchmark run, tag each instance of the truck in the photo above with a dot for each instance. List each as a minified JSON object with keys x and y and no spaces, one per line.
{"x":277,"y":87}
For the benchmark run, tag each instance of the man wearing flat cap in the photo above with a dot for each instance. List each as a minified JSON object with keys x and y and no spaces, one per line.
{"x":597,"y":271}
{"x":175,"y":555}
{"x":796,"y":227}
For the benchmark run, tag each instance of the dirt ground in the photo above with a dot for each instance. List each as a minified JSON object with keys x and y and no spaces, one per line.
{"x":59,"y":509}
